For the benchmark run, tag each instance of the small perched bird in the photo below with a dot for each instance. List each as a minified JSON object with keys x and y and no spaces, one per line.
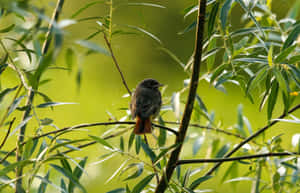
{"x":145,"y":105}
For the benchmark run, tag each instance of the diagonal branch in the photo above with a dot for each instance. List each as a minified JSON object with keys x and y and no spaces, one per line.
{"x":163,"y":184}
{"x":116,"y":63}
{"x":229,"y":159}
{"x":251,"y":137}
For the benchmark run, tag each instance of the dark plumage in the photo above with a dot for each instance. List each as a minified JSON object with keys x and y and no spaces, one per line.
{"x":145,"y":105}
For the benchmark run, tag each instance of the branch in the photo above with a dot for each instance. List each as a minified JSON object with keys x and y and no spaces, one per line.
{"x":208,"y":128}
{"x":163,"y":184}
{"x":7,"y":133}
{"x":84,"y":125}
{"x":116,"y":63}
{"x":221,"y":160}
{"x":236,"y":148}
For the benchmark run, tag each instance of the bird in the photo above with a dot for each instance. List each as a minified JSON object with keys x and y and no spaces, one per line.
{"x":145,"y":105}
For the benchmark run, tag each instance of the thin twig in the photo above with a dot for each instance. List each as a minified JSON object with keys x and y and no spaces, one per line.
{"x":116,"y":63}
{"x":163,"y":184}
{"x":84,"y":125}
{"x":208,"y":128}
{"x":221,"y":160}
{"x":153,"y":166}
{"x":251,"y":137}
{"x":7,"y":133}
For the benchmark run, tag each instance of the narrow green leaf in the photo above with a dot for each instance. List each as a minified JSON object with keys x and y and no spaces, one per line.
{"x":256,"y":79}
{"x":146,"y":4}
{"x":270,"y":56}
{"x":3,"y":67}
{"x":148,"y":151}
{"x":15,"y":104}
{"x":223,"y":151}
{"x":197,"y":144}
{"x":188,"y":28}
{"x":20,"y":125}
{"x":118,"y":190}
{"x":212,"y":18}
{"x":211,"y":59}
{"x":217,"y":72}
{"x":282,"y":56}
{"x":272,"y":98}
{"x":69,"y":175}
{"x":77,"y":173}
{"x":145,"y":32}
{"x":173,"y":56}
{"x":131,"y":139}
{"x":224,"y":13}
{"x":43,"y":185}
{"x":84,"y":8}
{"x":164,"y":152}
{"x":6,"y":92}
{"x":198,"y":181}
{"x":52,"y":104}
{"x":13,"y":166}
{"x":162,"y":138}
{"x":63,"y":186}
{"x":292,"y":37}
{"x":93,"y":46}
{"x":138,"y":142}
{"x":139,"y":168}
{"x":7,"y":29}
{"x":280,"y":79}
{"x":294,"y":59}
{"x":244,"y":31}
{"x":142,"y":184}
{"x":70,"y":58}
{"x":240,"y":122}
{"x":101,"y":141}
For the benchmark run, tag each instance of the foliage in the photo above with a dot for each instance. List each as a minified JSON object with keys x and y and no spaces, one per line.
{"x":261,"y":58}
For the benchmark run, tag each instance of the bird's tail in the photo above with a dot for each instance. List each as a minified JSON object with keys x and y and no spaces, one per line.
{"x":142,"y":126}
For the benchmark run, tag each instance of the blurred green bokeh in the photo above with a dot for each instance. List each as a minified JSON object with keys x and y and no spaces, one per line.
{"x":101,"y":88}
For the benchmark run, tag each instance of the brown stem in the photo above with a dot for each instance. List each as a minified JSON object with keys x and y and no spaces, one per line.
{"x":116,"y":63}
{"x":221,"y":160}
{"x":163,"y":184}
{"x":7,"y":133}
{"x":251,"y":137}
{"x":19,"y":170}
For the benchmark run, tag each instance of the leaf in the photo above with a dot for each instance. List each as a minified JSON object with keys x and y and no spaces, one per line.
{"x":162,"y":138}
{"x":173,"y":56}
{"x":240,"y":179}
{"x":15,"y":104}
{"x":139,"y":170}
{"x":270,"y":56}
{"x":52,"y":104}
{"x":212,"y":18}
{"x":7,"y":29}
{"x":29,"y":148}
{"x":240,"y":122}
{"x":211,"y":59}
{"x":43,"y":185}
{"x":291,"y":37}
{"x":118,"y":190}
{"x":217,"y":72}
{"x":101,"y":141}
{"x":164,"y":152}
{"x":148,"y":151}
{"x":70,"y":58}
{"x":131,"y":139}
{"x":93,"y":46}
{"x":223,"y":151}
{"x":20,"y":125}
{"x":198,"y":181}
{"x":84,"y":8}
{"x":224,"y":13}
{"x":144,"y":32}
{"x":6,"y":91}
{"x":13,"y":166}
{"x":69,"y":175}
{"x":147,"y":4}
{"x":280,"y":79}
{"x":197,"y":144}
{"x":3,"y":67}
{"x":63,"y":186}
{"x":46,"y":121}
{"x":272,"y":98}
{"x":138,"y":142}
{"x":142,"y":184}
{"x":188,"y":28}
{"x":294,"y":59}
{"x":244,"y":31}
{"x":256,"y":79}
{"x":282,"y":56}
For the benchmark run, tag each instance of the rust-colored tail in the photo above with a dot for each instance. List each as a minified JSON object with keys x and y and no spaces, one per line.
{"x":142,"y":126}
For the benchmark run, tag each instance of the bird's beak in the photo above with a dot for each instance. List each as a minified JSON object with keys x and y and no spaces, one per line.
{"x":160,"y":85}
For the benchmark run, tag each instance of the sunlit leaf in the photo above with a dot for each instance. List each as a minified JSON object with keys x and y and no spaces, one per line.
{"x":118,"y":190}
{"x":101,"y":141}
{"x":93,"y":46}
{"x":197,"y":144}
{"x":272,"y":99}
{"x":15,"y":104}
{"x":7,"y":29}
{"x":212,"y":18}
{"x":142,"y":184}
{"x":284,"y":54}
{"x":198,"y":181}
{"x":139,"y":168}
{"x":6,"y":91}
{"x":85,"y":7}
{"x":52,"y":104}
{"x":43,"y":185}
{"x":146,"y":4}
{"x":224,"y":13}
{"x":293,"y":35}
